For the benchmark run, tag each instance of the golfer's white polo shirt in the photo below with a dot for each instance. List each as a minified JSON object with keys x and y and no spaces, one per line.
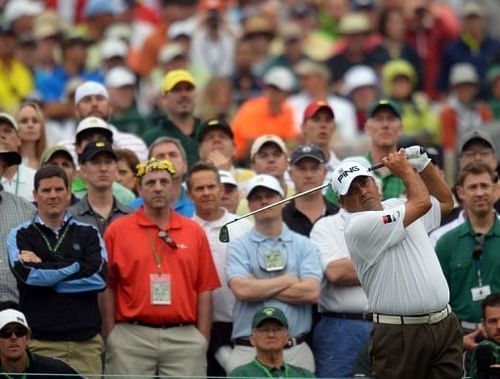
{"x":328,"y":235}
{"x":397,"y":266}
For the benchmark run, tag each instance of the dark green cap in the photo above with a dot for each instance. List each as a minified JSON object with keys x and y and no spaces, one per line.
{"x":388,"y":103}
{"x":269,"y":313}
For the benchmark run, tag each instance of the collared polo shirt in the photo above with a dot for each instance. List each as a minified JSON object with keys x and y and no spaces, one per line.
{"x":82,"y":211}
{"x":299,"y":222}
{"x":257,"y":369}
{"x":454,"y":250}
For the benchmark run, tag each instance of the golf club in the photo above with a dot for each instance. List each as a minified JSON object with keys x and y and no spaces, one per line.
{"x":411,"y":152}
{"x":224,"y":232}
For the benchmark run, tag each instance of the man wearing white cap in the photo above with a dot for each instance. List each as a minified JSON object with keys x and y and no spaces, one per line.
{"x":13,"y":211}
{"x":14,"y":354}
{"x":415,"y":334}
{"x":272,"y":266}
{"x":231,"y":195}
{"x":120,"y":83}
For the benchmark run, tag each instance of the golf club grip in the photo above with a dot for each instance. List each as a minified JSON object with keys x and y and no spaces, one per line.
{"x":381,"y":164}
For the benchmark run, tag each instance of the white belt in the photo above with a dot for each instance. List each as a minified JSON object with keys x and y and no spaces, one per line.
{"x":431,"y":318}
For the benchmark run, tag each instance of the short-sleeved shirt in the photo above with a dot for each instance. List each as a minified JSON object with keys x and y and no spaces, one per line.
{"x":328,"y":235}
{"x":223,"y":298}
{"x":189,"y":265}
{"x":22,"y":184}
{"x":397,"y":265}
{"x":246,"y":257}
{"x":299,"y":222}
{"x":454,"y":251}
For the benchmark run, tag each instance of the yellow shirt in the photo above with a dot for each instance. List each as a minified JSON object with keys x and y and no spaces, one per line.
{"x":17,"y":83}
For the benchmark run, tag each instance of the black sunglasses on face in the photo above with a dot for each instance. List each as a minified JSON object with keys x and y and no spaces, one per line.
{"x":18,"y":331}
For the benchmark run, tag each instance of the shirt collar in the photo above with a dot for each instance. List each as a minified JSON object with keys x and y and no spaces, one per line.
{"x":38,"y":220}
{"x":285,"y":236}
{"x":494,"y":230}
{"x":174,"y":221}
{"x":216,"y":223}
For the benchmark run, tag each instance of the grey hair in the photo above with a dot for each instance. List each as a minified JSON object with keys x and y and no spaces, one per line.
{"x":163,"y":140}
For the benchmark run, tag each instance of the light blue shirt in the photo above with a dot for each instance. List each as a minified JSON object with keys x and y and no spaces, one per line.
{"x":246,"y":257}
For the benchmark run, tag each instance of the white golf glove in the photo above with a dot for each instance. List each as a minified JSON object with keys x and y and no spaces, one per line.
{"x":417,"y":157}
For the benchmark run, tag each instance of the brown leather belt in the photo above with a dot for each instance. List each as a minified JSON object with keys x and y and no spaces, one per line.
{"x":244,"y":341}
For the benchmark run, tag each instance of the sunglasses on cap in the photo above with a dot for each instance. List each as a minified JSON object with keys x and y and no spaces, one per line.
{"x":18,"y":331}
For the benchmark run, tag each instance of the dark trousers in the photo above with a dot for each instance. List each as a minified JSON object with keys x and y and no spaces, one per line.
{"x":417,"y":351}
{"x":220,"y":336}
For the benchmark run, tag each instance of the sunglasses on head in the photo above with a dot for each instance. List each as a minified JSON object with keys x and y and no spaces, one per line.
{"x":18,"y":331}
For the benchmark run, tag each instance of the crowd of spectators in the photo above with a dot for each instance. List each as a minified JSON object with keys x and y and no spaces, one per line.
{"x":160,"y":111}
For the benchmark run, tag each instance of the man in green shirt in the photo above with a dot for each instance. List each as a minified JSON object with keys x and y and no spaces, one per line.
{"x":269,"y":336}
{"x":486,"y":357}
{"x":469,"y":253}
{"x":178,"y":99}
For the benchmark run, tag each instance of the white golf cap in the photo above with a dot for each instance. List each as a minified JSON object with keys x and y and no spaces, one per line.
{"x":119,"y":77}
{"x":227,"y":178}
{"x":9,"y":316}
{"x":348,"y":170}
{"x":9,"y":119}
{"x":357,"y":77}
{"x":92,"y":122}
{"x":171,"y":51}
{"x":19,"y":8}
{"x":113,"y":47}
{"x":281,"y":78}
{"x":463,"y":73}
{"x":265,"y":181}
{"x":262,"y":140}
{"x":88,"y":89}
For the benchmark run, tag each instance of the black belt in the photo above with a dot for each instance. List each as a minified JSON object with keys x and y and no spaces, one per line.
{"x":243,"y":341}
{"x":160,"y":326}
{"x":349,"y":316}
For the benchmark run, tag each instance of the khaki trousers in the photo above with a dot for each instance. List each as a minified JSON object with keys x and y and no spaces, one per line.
{"x":144,"y":351}
{"x":83,"y":356}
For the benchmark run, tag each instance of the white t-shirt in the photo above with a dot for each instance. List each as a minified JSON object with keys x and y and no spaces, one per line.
{"x":22,"y":184}
{"x":223,"y":298}
{"x":328,"y":235}
{"x":397,"y":266}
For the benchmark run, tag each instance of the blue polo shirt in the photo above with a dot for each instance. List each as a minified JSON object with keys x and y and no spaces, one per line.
{"x":246,"y":257}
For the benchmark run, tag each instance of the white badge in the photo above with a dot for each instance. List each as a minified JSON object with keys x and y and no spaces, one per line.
{"x":480,"y":293}
{"x":160,"y":289}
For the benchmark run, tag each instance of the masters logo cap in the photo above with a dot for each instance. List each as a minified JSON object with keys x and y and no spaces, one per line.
{"x":384,"y":103}
{"x":345,"y":173}
{"x":269,"y":313}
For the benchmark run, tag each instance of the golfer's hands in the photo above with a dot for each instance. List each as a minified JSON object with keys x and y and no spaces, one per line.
{"x":27,"y":256}
{"x":418,"y":159}
{"x":398,"y":164}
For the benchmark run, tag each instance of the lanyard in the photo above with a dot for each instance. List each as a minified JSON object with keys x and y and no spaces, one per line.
{"x":268,"y":372}
{"x":476,"y":256}
{"x":59,"y":240}
{"x":156,"y":255}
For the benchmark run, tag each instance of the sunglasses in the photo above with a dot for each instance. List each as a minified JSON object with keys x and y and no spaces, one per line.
{"x":166,"y":238}
{"x":18,"y":331}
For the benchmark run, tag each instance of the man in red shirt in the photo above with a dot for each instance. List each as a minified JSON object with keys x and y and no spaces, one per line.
{"x":158,"y":305}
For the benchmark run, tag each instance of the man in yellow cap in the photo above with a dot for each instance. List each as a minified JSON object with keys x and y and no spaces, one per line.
{"x":178,"y":101}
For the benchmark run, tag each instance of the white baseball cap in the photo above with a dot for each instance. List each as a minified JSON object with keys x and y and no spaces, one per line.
{"x":19,"y":8}
{"x":227,"y":178}
{"x":113,"y":47}
{"x":281,"y":78}
{"x":119,"y":77}
{"x":262,"y":140}
{"x":359,"y":76}
{"x":92,"y":122}
{"x":348,"y":170}
{"x":90,"y":88}
{"x":9,"y":119}
{"x":9,"y":316}
{"x":266,"y":181}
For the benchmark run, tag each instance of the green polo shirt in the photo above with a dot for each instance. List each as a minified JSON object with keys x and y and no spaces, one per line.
{"x":255,"y":369}
{"x":122,"y":194}
{"x":132,"y":121}
{"x":495,"y":349}
{"x":454,"y":251}
{"x":392,"y":185}
{"x":166,"y":128}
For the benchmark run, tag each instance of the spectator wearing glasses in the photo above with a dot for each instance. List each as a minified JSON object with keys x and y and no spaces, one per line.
{"x":270,"y":337}
{"x":468,"y":253}
{"x":158,"y":305}
{"x":15,"y":335}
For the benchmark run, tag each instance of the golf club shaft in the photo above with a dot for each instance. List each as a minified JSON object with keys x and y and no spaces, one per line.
{"x":280,"y":202}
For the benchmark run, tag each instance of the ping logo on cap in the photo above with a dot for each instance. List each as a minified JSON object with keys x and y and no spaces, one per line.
{"x":344,"y":173}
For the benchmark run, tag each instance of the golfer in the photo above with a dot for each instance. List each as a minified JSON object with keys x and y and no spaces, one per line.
{"x":415,"y":334}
